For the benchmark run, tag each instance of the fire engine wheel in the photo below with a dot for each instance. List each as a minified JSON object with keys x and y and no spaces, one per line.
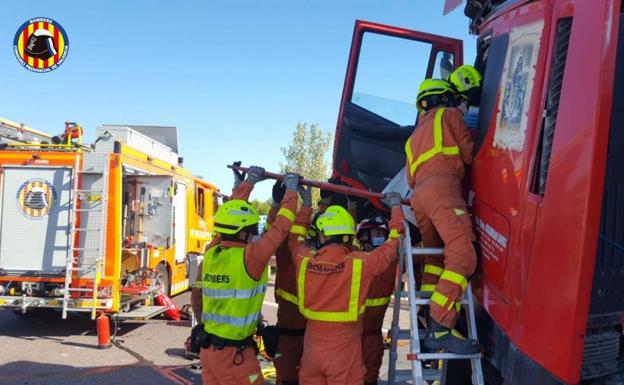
{"x":162,"y":279}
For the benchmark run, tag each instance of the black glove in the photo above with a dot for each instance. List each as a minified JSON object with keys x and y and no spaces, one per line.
{"x":291,"y":181}
{"x":239,"y":176}
{"x":306,"y":195}
{"x":255,"y":174}
{"x":392,"y":199}
{"x":326,"y":195}
{"x":278,"y":192}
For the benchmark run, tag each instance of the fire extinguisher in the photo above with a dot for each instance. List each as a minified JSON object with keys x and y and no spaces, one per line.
{"x":172,"y":313}
{"x":103,"y":331}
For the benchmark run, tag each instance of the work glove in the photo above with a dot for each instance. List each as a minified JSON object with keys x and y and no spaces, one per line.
{"x":239,"y":176}
{"x":326,"y":197}
{"x":255,"y":174}
{"x":471,"y":118}
{"x":278,"y":192}
{"x":306,"y":195}
{"x":392,"y":199}
{"x":291,"y":181}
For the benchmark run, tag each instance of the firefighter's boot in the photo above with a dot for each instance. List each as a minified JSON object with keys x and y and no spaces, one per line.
{"x":450,"y":340}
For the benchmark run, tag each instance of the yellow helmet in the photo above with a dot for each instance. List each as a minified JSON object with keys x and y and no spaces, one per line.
{"x":465,"y":78}
{"x":431,"y":87}
{"x":234,"y":215}
{"x":336,"y":221}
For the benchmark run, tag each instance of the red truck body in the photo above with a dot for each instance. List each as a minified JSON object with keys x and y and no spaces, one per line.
{"x":546,"y":185}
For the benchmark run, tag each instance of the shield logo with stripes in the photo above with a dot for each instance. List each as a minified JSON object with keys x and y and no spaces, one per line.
{"x":41,"y":45}
{"x":36,"y":198}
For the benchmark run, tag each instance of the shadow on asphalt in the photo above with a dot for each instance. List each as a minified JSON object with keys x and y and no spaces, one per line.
{"x":175,"y":352}
{"x":48,"y":324}
{"x":34,"y":373}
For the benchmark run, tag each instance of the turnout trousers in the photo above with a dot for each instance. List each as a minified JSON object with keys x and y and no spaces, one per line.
{"x":228,"y":366}
{"x":332,"y":358}
{"x":444,"y":221}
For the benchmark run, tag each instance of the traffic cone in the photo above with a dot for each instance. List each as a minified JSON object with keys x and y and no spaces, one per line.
{"x":103,"y":331}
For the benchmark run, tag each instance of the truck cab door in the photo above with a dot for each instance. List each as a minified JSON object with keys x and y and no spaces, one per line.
{"x":377,"y":111}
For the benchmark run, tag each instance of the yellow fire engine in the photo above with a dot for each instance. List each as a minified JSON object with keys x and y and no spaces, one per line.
{"x":103,"y":227}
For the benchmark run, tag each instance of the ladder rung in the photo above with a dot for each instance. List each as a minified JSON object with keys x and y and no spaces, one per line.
{"x":89,"y":191}
{"x":428,"y":301}
{"x":427,"y":251}
{"x":446,"y":356}
{"x":423,"y":294}
{"x":89,"y":210}
{"x":90,"y":172}
{"x":404,"y":375}
{"x":86,"y":229}
{"x":406,"y":334}
{"x":85,"y":249}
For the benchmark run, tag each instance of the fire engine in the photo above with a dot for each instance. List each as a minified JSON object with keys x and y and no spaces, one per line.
{"x":99,"y":228}
{"x":546,"y":184}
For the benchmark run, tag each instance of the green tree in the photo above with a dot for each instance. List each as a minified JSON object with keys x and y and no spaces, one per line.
{"x":262,"y":207}
{"x":306,"y":154}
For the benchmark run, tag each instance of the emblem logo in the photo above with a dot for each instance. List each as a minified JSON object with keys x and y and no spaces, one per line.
{"x":36,"y":198}
{"x":41,"y":45}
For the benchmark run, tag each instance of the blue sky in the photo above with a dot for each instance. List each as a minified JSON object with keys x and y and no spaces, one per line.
{"x":235,"y":76}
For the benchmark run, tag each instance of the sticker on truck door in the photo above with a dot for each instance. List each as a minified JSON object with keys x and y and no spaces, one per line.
{"x":36,"y":198}
{"x":517,"y":86}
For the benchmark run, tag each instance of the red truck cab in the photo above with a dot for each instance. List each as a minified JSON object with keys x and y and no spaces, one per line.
{"x":546,"y":187}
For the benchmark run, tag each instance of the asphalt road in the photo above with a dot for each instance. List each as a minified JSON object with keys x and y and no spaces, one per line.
{"x":43,"y":349}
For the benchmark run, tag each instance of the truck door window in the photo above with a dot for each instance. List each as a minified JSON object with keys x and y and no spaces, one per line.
{"x":200,"y":202}
{"x":388,"y":76}
{"x":490,"y":61}
{"x":444,"y":65}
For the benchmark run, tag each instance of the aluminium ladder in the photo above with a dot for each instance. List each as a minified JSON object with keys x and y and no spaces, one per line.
{"x":418,"y":374}
{"x":85,"y":258}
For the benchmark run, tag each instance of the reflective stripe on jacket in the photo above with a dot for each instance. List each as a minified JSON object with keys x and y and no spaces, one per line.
{"x":232,"y":300}
{"x":312,"y":280}
{"x":440,"y":145}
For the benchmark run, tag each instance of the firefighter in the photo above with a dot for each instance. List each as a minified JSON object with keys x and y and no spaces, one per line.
{"x":231,"y":284}
{"x":371,"y":234}
{"x":466,"y":82}
{"x":290,"y":323}
{"x":331,"y":287}
{"x":437,"y":154}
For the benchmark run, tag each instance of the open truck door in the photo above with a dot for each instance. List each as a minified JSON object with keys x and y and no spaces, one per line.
{"x":377,"y":111}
